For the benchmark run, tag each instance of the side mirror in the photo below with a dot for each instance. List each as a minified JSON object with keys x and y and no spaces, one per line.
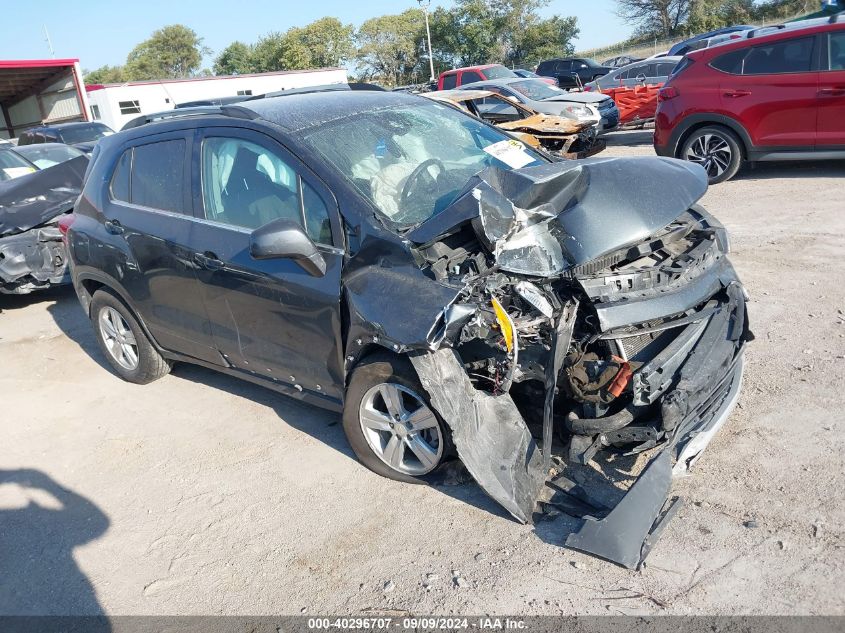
{"x":285,"y":238}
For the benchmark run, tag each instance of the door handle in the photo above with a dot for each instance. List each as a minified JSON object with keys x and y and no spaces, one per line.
{"x":836,"y":91}
{"x":114,"y":227}
{"x":736,"y":93}
{"x":208,"y":260}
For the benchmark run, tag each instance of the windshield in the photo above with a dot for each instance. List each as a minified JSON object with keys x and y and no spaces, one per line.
{"x":13,"y":166}
{"x":85,"y":133}
{"x":45,"y":156}
{"x":536,"y":90}
{"x":498,"y":72}
{"x":411,"y":161}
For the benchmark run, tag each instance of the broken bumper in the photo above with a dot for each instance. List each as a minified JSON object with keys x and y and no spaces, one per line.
{"x":32,"y":260}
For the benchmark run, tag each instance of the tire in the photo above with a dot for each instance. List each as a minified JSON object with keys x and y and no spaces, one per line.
{"x":116,"y":330}
{"x":366,"y":406}
{"x":717,"y":149}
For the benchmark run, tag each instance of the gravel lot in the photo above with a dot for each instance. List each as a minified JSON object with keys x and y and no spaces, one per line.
{"x":201,"y":494}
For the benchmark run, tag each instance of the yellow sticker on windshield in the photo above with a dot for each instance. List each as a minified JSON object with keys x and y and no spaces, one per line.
{"x":511,"y":152}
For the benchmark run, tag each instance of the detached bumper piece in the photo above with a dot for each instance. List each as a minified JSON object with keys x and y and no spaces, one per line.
{"x":32,"y":260}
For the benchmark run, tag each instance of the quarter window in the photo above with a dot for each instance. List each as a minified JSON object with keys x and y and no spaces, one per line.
{"x":129,"y":107}
{"x":450,"y":81}
{"x":248,"y":185}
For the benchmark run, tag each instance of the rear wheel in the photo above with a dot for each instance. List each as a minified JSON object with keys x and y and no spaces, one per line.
{"x":389,"y":422}
{"x":123,"y":342}
{"x":716,"y":149}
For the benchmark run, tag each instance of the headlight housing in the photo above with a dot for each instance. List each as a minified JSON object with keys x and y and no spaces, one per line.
{"x":579,"y":111}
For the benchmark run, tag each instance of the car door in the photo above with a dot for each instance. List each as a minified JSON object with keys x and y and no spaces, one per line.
{"x":563,"y":73}
{"x":831,"y":100}
{"x":149,"y":218}
{"x":775,"y":96}
{"x":269,"y":317}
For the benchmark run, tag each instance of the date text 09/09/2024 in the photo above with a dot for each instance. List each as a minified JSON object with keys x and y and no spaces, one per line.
{"x":418,"y":623}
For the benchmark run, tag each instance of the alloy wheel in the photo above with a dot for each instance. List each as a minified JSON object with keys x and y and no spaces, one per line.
{"x":712,"y":152}
{"x":118,"y":338}
{"x":400,"y":429}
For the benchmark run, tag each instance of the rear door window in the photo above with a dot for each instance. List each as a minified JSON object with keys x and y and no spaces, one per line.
{"x":789,"y":56}
{"x":158,"y":176}
{"x":728,"y":63}
{"x":563,"y":66}
{"x":450,"y":81}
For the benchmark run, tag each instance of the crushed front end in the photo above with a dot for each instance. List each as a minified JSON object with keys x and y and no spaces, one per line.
{"x":593,"y":318}
{"x":32,"y":254}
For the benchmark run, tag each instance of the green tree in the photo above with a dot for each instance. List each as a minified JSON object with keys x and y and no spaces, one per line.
{"x":235,"y":59}
{"x":105,"y":75}
{"x":324,"y":42}
{"x":660,"y":18}
{"x":544,"y":39}
{"x":171,"y":52}
{"x":389,"y":46}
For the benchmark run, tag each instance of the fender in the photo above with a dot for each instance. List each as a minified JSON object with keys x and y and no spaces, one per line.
{"x":697,"y":120}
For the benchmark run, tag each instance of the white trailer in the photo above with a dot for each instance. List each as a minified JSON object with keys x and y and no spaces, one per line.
{"x":36,"y":91}
{"x":116,"y":104}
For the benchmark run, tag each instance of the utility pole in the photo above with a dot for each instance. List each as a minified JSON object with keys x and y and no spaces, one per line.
{"x":49,"y":42}
{"x":424,"y":5}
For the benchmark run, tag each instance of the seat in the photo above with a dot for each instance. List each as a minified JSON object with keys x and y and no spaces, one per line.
{"x":250,"y":199}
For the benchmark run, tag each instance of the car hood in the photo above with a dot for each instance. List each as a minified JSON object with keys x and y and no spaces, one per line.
{"x":541,"y":221}
{"x":577,"y":97}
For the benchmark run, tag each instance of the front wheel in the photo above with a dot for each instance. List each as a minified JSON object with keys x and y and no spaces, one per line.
{"x":389,"y":422}
{"x":716,"y":149}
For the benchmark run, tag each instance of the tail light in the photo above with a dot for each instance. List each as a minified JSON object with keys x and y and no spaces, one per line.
{"x":667,"y":92}
{"x":588,"y":88}
{"x":64,"y":224}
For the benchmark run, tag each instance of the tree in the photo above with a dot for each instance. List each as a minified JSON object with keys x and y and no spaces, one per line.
{"x":105,"y":75}
{"x":660,"y":18}
{"x":235,"y":59}
{"x":171,"y":52}
{"x":324,"y":42}
{"x":389,"y":46}
{"x":507,"y":31}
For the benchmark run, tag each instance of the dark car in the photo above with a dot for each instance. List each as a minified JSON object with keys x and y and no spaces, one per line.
{"x":81,"y":134}
{"x":530,"y":74}
{"x":776,"y":94}
{"x":690,"y":44}
{"x":572,"y":72}
{"x":372,"y":260}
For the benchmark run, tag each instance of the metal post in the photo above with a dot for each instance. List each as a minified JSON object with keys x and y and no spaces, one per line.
{"x":424,"y":5}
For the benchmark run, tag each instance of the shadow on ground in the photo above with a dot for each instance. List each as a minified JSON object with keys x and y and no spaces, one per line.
{"x":791,"y":170}
{"x":41,"y":522}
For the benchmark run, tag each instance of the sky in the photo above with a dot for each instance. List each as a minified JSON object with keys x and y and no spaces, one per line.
{"x":100,"y":32}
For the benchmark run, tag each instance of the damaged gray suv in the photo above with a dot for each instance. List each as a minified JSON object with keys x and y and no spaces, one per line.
{"x":454,"y":293}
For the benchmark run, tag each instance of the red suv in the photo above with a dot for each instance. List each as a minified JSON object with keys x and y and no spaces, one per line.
{"x":776,"y":94}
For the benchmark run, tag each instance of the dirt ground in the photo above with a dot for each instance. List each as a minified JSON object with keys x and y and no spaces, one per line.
{"x":201,"y":494}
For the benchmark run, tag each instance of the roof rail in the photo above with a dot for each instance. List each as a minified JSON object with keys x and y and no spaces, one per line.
{"x":183,"y":113}
{"x":754,"y":32}
{"x":836,"y":17}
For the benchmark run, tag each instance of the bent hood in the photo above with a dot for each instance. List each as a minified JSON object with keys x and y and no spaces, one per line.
{"x":36,"y":198}
{"x":543,"y":220}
